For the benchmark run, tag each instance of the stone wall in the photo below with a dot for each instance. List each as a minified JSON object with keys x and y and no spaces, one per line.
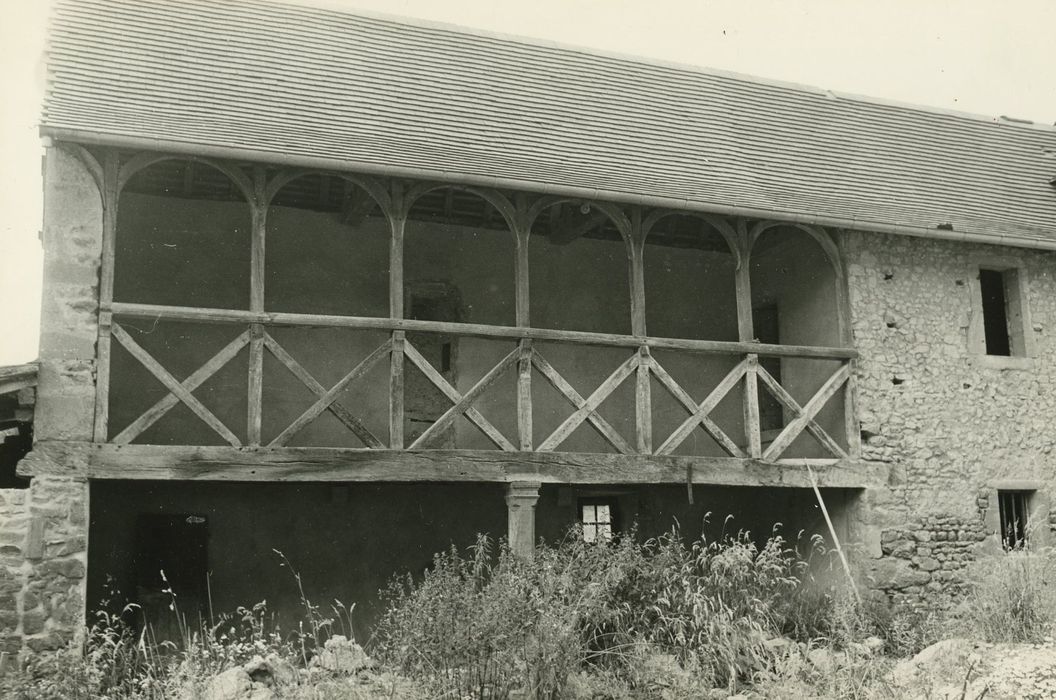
{"x":43,"y":555}
{"x":955,"y":425}
{"x":925,"y":562}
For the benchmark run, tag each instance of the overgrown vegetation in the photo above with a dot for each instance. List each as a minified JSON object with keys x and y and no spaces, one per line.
{"x":481,"y":625}
{"x":643,"y":619}
{"x":1013,"y":602}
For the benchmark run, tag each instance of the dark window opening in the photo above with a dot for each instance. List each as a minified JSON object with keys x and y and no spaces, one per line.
{"x":1014,"y":514}
{"x":16,"y":437}
{"x":995,"y":312}
{"x":598,"y":518}
{"x":765,"y":322}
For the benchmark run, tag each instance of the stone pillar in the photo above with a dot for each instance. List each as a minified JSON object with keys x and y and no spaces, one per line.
{"x":43,"y":559}
{"x":69,"y":319}
{"x":521,"y":497}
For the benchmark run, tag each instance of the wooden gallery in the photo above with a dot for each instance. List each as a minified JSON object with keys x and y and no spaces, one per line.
{"x":356,"y":289}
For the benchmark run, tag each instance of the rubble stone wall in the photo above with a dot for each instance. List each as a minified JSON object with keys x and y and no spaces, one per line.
{"x":43,"y":555}
{"x":954,"y":425}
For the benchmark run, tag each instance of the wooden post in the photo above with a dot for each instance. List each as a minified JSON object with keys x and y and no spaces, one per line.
{"x":111,"y":174}
{"x":637,"y":261}
{"x":398,"y":221}
{"x":524,"y":396}
{"x":745,"y":324}
{"x":643,"y":403}
{"x":521,"y":497}
{"x":832,"y":532}
{"x":751,"y":408}
{"x":255,"y":396}
{"x":746,"y":334}
{"x":643,"y":400}
{"x":850,"y":412}
{"x":522,"y":230}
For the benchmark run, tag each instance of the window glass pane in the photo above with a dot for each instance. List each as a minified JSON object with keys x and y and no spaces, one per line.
{"x":603,"y":514}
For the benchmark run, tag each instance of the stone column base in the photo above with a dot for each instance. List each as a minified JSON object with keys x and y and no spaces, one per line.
{"x":521,"y":498}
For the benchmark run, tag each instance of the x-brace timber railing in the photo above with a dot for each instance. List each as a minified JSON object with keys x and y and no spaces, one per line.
{"x":524,"y":359}
{"x":394,"y":197}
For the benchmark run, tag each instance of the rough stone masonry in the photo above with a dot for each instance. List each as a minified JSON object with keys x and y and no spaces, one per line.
{"x":43,"y":555}
{"x":954,"y":424}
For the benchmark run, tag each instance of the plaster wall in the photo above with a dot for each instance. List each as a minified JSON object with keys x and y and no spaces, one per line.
{"x":348,"y":541}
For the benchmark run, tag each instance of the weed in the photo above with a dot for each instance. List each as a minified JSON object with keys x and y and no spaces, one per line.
{"x":1014,"y":602}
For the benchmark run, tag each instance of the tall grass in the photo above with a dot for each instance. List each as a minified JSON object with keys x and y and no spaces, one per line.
{"x":483,"y":622}
{"x":1012,"y":599}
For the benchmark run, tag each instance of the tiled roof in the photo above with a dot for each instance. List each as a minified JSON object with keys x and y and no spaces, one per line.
{"x":287,"y":83}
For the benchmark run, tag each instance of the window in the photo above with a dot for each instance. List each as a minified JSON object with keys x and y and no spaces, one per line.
{"x":1002,"y":312}
{"x":1014,"y":518}
{"x":598,"y":517}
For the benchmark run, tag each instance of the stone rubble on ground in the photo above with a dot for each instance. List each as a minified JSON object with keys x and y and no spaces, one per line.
{"x":957,"y":668}
{"x":264,"y":678}
{"x":342,"y":657}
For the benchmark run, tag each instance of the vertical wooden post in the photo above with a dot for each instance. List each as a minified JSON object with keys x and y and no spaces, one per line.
{"x":255,"y":396}
{"x":745,"y":324}
{"x":751,"y":408}
{"x":643,"y":399}
{"x":521,"y":497}
{"x":396,"y":391}
{"x":644,"y":403}
{"x":524,"y":396}
{"x":850,"y":412}
{"x":111,"y":175}
{"x":397,"y":221}
{"x":746,"y":333}
{"x":522,"y":230}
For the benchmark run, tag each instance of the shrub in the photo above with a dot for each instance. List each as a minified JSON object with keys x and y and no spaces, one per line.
{"x":481,"y":625}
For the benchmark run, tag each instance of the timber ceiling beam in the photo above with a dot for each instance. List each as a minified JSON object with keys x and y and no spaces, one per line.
{"x":166,"y":462}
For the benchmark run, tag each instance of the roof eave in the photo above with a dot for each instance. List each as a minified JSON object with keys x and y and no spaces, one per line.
{"x":1004,"y":238}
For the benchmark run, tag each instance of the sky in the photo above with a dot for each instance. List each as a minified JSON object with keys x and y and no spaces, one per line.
{"x":976,"y":56}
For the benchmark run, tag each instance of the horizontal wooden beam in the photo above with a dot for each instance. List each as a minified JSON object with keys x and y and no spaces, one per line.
{"x":476,"y":330}
{"x":17,"y":377}
{"x":163,"y":462}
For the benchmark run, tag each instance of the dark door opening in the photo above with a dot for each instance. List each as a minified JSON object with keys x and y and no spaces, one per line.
{"x":171,"y":564}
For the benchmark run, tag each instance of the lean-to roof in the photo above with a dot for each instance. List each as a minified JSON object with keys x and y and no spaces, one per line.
{"x":284,"y":83}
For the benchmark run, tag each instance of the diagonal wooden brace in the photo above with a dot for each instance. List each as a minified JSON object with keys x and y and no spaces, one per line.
{"x":340,"y":412}
{"x":175,"y":387}
{"x":568,"y":391}
{"x":326,"y":400}
{"x":466,"y":401}
{"x":811,"y":409}
{"x":789,"y":402}
{"x":586,"y":409}
{"x":475,"y":416}
{"x":698,"y":413}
